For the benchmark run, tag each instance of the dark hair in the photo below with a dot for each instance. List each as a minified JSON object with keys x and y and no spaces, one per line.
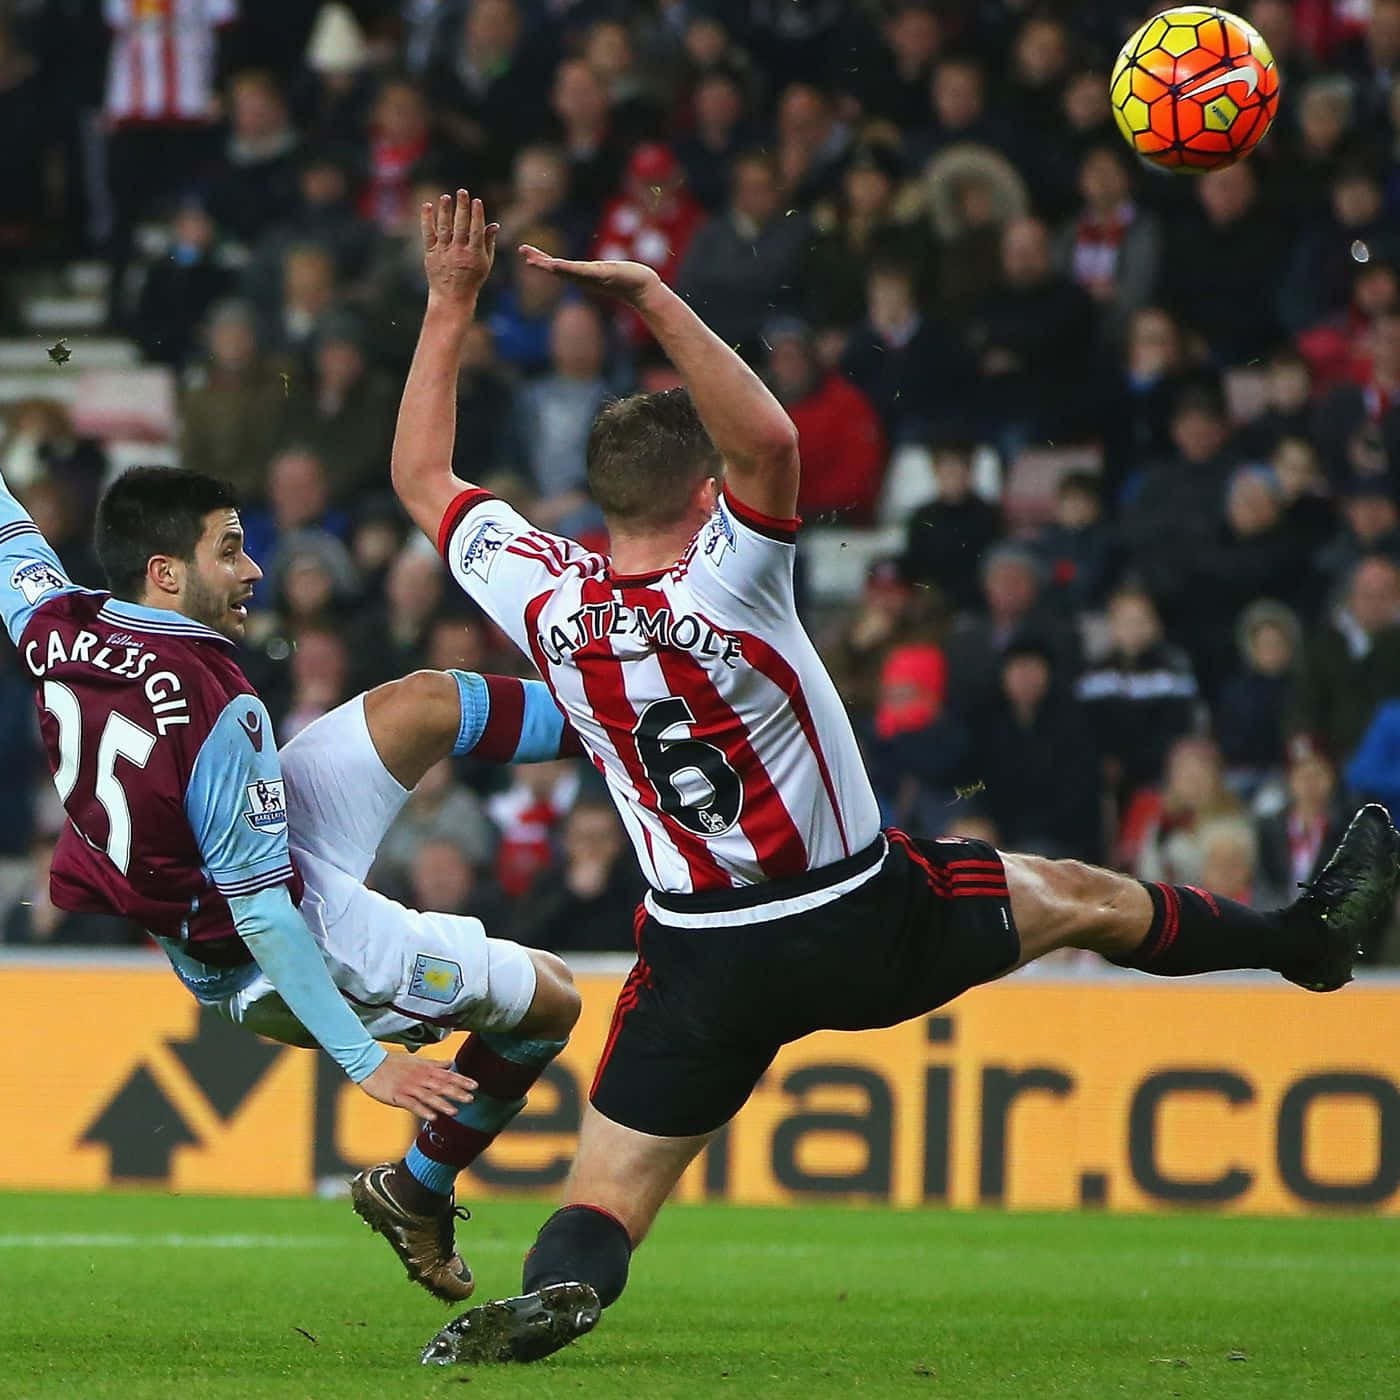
{"x":153,"y":510}
{"x":646,"y":456}
{"x":1081,"y":483}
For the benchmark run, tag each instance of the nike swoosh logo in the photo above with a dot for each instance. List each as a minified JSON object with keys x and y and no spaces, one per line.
{"x":251,"y":725}
{"x":1245,"y":73}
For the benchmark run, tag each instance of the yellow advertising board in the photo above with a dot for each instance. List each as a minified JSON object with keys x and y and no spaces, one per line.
{"x":1125,"y":1093}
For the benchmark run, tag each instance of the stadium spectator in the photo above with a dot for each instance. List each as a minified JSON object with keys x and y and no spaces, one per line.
{"x":1137,"y":403}
{"x":856,"y":228}
{"x":540,"y":196}
{"x":488,"y":426}
{"x":652,"y":221}
{"x":556,"y":414}
{"x":1013,"y":606}
{"x":1318,"y":280}
{"x":743,"y":264}
{"x":1358,"y":423}
{"x":178,"y":288}
{"x":1033,"y":334}
{"x":323,"y":215}
{"x":528,"y":815}
{"x":442,"y":880}
{"x":522,"y":314}
{"x":1338,"y":348}
{"x":42,"y":446}
{"x":894,"y":84}
{"x":1352,"y":662}
{"x":1230,"y":862}
{"x":957,"y":104}
{"x":949,"y":536}
{"x":1370,"y":524}
{"x":970,"y":194}
{"x":37,"y":922}
{"x":308,"y":293}
{"x":1140,"y":697}
{"x":586,"y":133}
{"x":843,"y":445}
{"x":1171,"y":515}
{"x":399,"y":140}
{"x":28,"y":149}
{"x":1250,"y":715}
{"x":485,"y":84}
{"x":1225,"y":266}
{"x":1309,"y":513}
{"x":916,"y":751}
{"x":254,"y":185}
{"x":161,"y":134}
{"x":298,"y":504}
{"x":587,"y":905}
{"x":232,"y":416}
{"x":719,"y":131}
{"x":899,"y":351}
{"x":345,"y":410}
{"x":1034,"y":750}
{"x":889,"y":612}
{"x":1168,"y":834}
{"x":438,"y":809}
{"x":633,"y":111}
{"x":1288,"y":408}
{"x":1295,"y":840}
{"x":1112,"y":248}
{"x":390,"y":638}
{"x":319,"y":680}
{"x":1079,"y":548}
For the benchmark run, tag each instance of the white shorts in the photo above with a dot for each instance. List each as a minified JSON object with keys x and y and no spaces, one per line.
{"x":412,"y":977}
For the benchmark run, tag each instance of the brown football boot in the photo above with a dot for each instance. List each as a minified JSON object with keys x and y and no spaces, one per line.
{"x":423,"y":1242}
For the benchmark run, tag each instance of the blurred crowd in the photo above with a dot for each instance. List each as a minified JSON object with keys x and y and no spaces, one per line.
{"x":919,"y":223}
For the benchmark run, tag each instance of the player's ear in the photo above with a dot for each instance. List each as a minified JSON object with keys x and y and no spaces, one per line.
{"x":165,"y":575}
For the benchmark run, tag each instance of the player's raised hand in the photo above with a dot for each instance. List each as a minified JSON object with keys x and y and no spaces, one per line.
{"x":424,"y":1087}
{"x":459,"y":247}
{"x":628,"y":281}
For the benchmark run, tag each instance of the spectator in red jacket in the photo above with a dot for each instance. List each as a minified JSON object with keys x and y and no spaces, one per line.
{"x":843,"y":445}
{"x":652,"y":221}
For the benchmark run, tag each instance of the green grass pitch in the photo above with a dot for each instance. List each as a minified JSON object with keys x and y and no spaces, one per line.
{"x":143,"y":1296}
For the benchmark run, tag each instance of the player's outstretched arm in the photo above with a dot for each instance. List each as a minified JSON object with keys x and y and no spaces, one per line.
{"x":29,"y":569}
{"x":754,"y":435}
{"x":282,"y":946}
{"x":459,"y":247}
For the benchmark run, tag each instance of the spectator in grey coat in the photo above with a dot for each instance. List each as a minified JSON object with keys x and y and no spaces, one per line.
{"x":743,"y":265}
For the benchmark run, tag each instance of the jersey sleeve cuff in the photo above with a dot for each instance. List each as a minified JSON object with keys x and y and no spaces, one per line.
{"x":464,"y":501}
{"x":774,"y":527}
{"x":250,"y":880}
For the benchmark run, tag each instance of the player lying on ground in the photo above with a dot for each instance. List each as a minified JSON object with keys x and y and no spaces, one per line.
{"x":777,"y":906}
{"x":183,"y":817}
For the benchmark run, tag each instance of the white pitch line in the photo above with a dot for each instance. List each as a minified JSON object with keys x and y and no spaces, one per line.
{"x":169,"y":1241}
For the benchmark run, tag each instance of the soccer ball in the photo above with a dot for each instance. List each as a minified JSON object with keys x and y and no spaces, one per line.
{"x":1194,"y":89}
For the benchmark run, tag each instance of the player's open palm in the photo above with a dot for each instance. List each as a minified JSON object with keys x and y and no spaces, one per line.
{"x":459,"y":247}
{"x":628,"y":281}
{"x":423,"y":1087}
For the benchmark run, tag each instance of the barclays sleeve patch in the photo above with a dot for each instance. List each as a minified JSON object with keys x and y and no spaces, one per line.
{"x":36,"y":577}
{"x":267,"y":806}
{"x":481,"y":548}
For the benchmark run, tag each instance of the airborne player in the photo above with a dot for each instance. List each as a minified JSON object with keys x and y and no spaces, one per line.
{"x":777,"y":905}
{"x":248,"y":866}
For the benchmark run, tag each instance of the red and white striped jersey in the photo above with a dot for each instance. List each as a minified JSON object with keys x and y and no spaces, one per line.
{"x":161,"y":67}
{"x":696,"y":691}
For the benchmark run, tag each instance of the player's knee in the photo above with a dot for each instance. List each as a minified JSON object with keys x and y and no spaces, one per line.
{"x":557,"y":1003}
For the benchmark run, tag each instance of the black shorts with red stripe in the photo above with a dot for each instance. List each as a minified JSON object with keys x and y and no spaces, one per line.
{"x":708,"y":1005}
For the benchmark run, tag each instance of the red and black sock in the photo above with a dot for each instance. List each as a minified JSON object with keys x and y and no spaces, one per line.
{"x":1195,"y":931}
{"x":505,"y":1067}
